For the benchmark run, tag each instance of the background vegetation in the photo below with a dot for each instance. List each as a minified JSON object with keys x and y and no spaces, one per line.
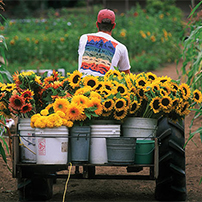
{"x":152,"y":36}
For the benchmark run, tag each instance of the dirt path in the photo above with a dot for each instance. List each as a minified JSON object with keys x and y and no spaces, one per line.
{"x":118,"y":190}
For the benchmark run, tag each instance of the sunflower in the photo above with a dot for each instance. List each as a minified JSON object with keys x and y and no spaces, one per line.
{"x":134,"y":107}
{"x":91,"y":81}
{"x":113,"y":73}
{"x":96,"y":102}
{"x":108,"y":105}
{"x":120,"y":104}
{"x":183,"y":109}
{"x":16,"y":102}
{"x":119,"y":115}
{"x":108,"y":85}
{"x":166,"y":103}
{"x":121,"y":88}
{"x":60,"y":105}
{"x":164,"y":79}
{"x":9,"y":87}
{"x":27,"y":107}
{"x":155,"y":105}
{"x":197,"y":96}
{"x":141,"y":93}
{"x":150,"y":76}
{"x":80,"y":100}
{"x":28,"y":94}
{"x":141,"y":82}
{"x":185,"y":90}
{"x":75,"y":79}
{"x":74,"y":111}
{"x":155,"y":87}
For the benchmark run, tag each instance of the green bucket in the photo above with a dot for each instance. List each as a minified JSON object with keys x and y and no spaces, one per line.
{"x":144,"y":153}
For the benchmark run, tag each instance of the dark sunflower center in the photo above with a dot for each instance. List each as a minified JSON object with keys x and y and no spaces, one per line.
{"x":185,"y":91}
{"x":156,"y":104}
{"x":120,"y":89}
{"x":18,"y":102}
{"x":108,"y":87}
{"x":60,"y":106}
{"x":76,"y":79}
{"x":25,"y":108}
{"x":142,"y":83}
{"x":91,"y":83}
{"x":151,"y":77}
{"x":184,"y":108}
{"x":134,"y":106}
{"x":141,"y":92}
{"x":108,"y":104}
{"x":165,"y":102}
{"x":119,"y":104}
{"x":196,"y":96}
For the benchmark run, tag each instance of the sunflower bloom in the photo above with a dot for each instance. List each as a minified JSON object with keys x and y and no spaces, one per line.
{"x":27,"y":107}
{"x":60,"y":105}
{"x":197,"y":96}
{"x":75,"y":79}
{"x":119,"y":115}
{"x":9,"y":87}
{"x":185,"y":90}
{"x":16,"y":102}
{"x":80,"y":100}
{"x":108,"y":105}
{"x":74,"y":111}
{"x":134,"y":107}
{"x":91,"y":81}
{"x":155,"y":105}
{"x":166,"y":103}
{"x":120,"y":104}
{"x":28,"y":94}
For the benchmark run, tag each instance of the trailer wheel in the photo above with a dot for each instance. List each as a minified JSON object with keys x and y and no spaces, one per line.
{"x":171,"y":182}
{"x":36,"y":188}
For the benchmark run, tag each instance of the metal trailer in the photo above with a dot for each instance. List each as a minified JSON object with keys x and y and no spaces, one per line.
{"x":35,"y":181}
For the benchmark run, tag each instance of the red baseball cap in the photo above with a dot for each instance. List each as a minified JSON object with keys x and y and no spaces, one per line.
{"x":106,"y":14}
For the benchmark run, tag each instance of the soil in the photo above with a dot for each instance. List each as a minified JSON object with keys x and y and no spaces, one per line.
{"x":119,"y":190}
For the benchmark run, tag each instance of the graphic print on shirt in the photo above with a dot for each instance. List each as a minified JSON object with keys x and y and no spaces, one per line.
{"x":98,"y":54}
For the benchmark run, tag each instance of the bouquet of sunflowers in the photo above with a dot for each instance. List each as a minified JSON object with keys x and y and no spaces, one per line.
{"x":55,"y":100}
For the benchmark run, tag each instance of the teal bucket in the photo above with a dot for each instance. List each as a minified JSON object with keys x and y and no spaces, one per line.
{"x":144,"y":153}
{"x":79,"y":144}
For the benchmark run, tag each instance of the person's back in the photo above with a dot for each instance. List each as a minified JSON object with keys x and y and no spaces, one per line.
{"x":99,"y":52}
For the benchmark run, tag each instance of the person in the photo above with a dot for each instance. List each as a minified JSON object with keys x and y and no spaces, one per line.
{"x":99,"y":52}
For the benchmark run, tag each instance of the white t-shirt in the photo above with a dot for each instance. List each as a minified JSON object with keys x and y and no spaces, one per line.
{"x":99,"y":52}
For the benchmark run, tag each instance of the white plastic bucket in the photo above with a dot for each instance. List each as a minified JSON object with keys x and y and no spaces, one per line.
{"x":98,"y":147}
{"x":27,"y":140}
{"x":143,"y":128}
{"x":52,"y":145}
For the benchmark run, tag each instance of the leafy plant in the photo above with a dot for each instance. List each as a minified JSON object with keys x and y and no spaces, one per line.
{"x":4,"y":77}
{"x":192,"y":58}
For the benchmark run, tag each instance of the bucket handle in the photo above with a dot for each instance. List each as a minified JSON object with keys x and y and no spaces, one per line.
{"x":79,"y":135}
{"x":143,"y":154}
{"x":152,"y":134}
{"x":28,"y":140}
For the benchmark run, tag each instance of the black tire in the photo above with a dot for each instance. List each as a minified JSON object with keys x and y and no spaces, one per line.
{"x":35,"y":189}
{"x":171,"y":182}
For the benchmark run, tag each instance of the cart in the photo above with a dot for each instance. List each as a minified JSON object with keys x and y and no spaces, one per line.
{"x":35,"y":181}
